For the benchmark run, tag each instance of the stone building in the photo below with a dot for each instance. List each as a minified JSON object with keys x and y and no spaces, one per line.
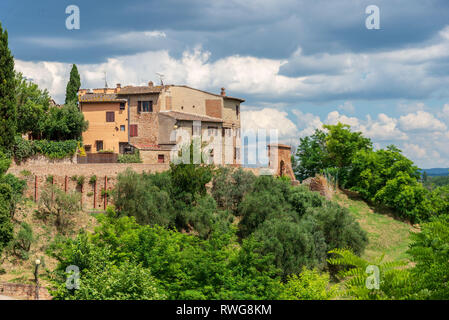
{"x":159,"y":120}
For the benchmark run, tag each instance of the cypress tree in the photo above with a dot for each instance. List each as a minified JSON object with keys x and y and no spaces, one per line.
{"x":8,"y":113}
{"x":74,"y":84}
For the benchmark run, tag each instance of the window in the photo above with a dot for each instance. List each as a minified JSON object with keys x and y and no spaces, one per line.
{"x":237,"y":110}
{"x":144,"y":106}
{"x":133,"y":130}
{"x":160,"y":158}
{"x":122,"y":127}
{"x":99,"y":145}
{"x":236,"y":153}
{"x":212,"y":131}
{"x":110,"y":116}
{"x":88,"y":148}
{"x":122,"y":106}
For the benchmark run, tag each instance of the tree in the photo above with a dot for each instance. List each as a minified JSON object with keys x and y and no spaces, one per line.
{"x":342,"y":144}
{"x":429,"y":251}
{"x":8,"y":112}
{"x":229,"y":186}
{"x":60,"y":206}
{"x":312,"y":155}
{"x":393,"y":282}
{"x":32,"y":106}
{"x":73,"y":86}
{"x":6,"y":196}
{"x":308,"y":285}
{"x":64,"y":123}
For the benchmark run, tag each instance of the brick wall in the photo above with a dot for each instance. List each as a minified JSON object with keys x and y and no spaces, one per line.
{"x":92,"y":195}
{"x":23,"y":291}
{"x":147,"y":122}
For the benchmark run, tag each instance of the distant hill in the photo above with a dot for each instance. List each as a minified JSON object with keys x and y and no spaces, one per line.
{"x":436,"y":171}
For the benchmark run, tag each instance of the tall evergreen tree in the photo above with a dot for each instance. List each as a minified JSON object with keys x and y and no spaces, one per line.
{"x":8,"y":113}
{"x":74,"y":84}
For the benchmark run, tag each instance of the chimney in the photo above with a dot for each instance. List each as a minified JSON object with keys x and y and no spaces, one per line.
{"x":117,"y":89}
{"x":223,"y":92}
{"x":150,"y":84}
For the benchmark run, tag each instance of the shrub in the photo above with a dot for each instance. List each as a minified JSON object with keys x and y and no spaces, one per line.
{"x":205,"y":218}
{"x":21,"y":244}
{"x":429,"y":252}
{"x":294,"y":245}
{"x":130,"y":158}
{"x":308,"y":285}
{"x":93,"y":180}
{"x":101,"y":278}
{"x":137,"y":195}
{"x":229,"y":187}
{"x":339,"y":228}
{"x":60,"y":206}
{"x":24,"y":149}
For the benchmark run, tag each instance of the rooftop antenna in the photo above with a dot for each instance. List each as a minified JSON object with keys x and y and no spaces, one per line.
{"x":161,"y":78}
{"x":105,"y":82}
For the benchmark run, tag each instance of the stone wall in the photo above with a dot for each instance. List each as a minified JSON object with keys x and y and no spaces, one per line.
{"x":94,"y":195}
{"x":23,"y":291}
{"x":40,"y":160}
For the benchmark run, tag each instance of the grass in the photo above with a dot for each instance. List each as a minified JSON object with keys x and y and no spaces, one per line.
{"x":387,"y":235}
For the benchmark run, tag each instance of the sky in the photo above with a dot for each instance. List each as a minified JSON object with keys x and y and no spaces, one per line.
{"x":298,"y":64}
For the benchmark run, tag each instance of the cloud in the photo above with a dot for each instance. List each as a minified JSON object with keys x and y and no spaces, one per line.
{"x":268,"y":119}
{"x":421,"y":120}
{"x":307,"y":123}
{"x":347,"y":107}
{"x":415,"y":151}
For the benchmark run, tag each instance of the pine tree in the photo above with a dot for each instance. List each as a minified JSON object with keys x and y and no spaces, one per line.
{"x":74,"y":84}
{"x":8,"y":113}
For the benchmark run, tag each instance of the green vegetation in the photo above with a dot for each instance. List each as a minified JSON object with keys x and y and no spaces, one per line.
{"x":384,"y":177}
{"x":130,"y":158}
{"x":387,"y":236}
{"x":58,"y":207}
{"x":193,"y":245}
{"x":24,"y":149}
{"x":8,"y":111}
{"x":435,"y":182}
{"x":73,"y":86}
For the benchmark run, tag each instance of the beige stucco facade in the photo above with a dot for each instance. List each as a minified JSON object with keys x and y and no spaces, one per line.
{"x":168,"y":109}
{"x":111,"y":134}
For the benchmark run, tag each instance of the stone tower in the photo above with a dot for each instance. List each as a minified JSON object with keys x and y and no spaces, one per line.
{"x":280,"y":162}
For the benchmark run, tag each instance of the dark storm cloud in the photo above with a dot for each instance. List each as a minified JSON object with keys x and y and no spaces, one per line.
{"x":269,"y":29}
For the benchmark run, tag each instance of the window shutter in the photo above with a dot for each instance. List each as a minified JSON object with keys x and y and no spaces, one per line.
{"x":110,"y":116}
{"x":151,"y":106}
{"x":139,"y":106}
{"x":133,"y":130}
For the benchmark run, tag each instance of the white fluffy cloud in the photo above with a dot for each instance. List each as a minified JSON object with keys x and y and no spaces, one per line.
{"x":421,"y":120}
{"x":400,"y":73}
{"x":267,"y":119}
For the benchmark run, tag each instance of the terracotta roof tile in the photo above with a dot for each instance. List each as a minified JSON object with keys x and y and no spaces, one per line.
{"x":139,"y":90}
{"x":189,"y":116}
{"x":100,"y":97}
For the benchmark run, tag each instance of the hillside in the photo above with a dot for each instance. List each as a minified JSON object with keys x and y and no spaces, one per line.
{"x":386,"y":235}
{"x":436,"y":171}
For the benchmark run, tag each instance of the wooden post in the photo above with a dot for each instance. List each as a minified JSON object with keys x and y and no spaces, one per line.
{"x":36,"y":280}
{"x":35,"y":188}
{"x":65,"y":184}
{"x":82,"y":187}
{"x":105,"y":192}
{"x":95,"y":194}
